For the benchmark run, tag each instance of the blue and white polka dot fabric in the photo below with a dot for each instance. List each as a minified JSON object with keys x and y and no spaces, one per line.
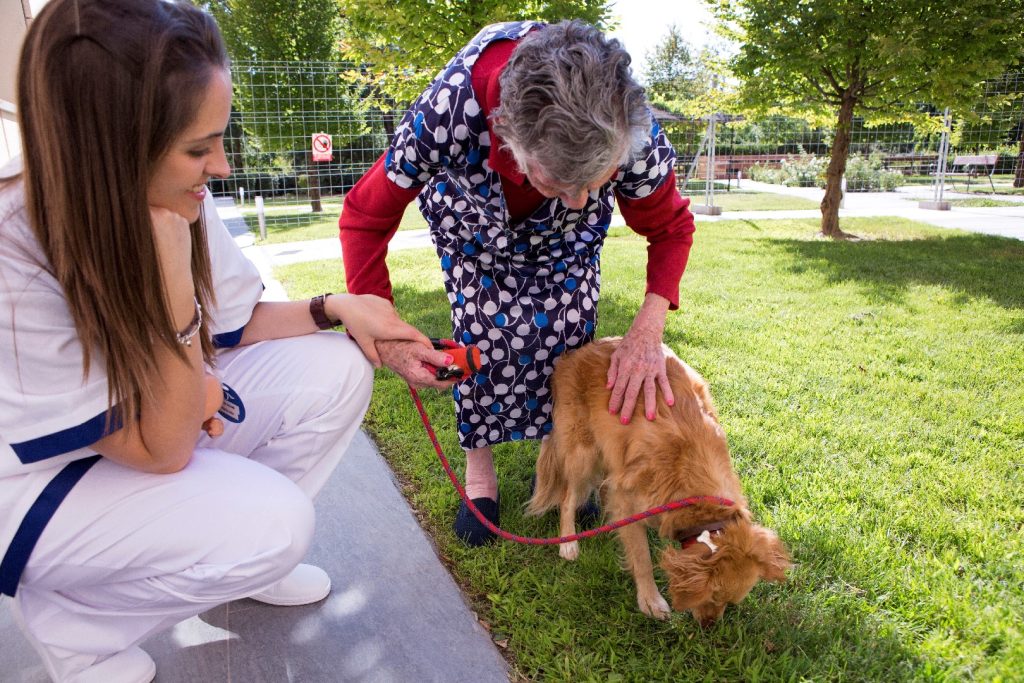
{"x":522,"y":292}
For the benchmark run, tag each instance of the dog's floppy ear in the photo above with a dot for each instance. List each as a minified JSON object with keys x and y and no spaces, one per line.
{"x":772,"y":557}
{"x":689,"y":579}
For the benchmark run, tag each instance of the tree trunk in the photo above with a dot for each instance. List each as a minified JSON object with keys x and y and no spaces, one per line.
{"x":1018,"y":175}
{"x":313,"y":173}
{"x":388,"y":116}
{"x":236,"y":157}
{"x":836,"y":169}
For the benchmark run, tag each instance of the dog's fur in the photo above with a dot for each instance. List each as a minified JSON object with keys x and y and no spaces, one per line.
{"x":681,"y":453}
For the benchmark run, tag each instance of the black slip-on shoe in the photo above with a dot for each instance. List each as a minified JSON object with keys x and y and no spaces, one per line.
{"x":469,"y":529}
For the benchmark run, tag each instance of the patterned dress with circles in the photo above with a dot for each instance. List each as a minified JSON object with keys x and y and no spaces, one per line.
{"x":523,"y":292}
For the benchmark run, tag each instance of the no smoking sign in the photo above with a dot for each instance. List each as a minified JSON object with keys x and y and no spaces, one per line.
{"x":322,"y":147}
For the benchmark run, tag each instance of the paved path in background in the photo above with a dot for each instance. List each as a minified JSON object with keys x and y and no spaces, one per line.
{"x":1005,"y":221}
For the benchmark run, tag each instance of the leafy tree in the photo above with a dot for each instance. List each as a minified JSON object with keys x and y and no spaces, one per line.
{"x":823,"y":58}
{"x":1018,"y":134}
{"x":672,"y":70}
{"x":404,"y":43}
{"x":279,"y":48}
{"x":279,"y":30}
{"x":684,"y":83}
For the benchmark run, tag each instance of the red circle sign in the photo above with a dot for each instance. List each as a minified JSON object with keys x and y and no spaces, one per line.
{"x":322,"y":148}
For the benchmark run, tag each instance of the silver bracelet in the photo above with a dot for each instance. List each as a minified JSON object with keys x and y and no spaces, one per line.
{"x":193,"y":328}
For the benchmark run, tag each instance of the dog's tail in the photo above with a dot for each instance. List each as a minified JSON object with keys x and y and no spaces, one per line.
{"x":550,"y":484}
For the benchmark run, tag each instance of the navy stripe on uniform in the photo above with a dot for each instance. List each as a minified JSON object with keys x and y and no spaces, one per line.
{"x":228,"y":340}
{"x":31,"y":527}
{"x":67,"y":440}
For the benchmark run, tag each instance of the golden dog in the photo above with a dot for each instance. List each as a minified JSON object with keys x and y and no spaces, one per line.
{"x":681,"y":453}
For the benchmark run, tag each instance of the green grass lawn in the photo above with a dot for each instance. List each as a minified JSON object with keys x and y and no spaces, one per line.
{"x":1003,"y":185}
{"x":872,"y":396}
{"x":978,"y":202}
{"x":293,"y":222}
{"x":987,"y":189}
{"x":745,"y":200}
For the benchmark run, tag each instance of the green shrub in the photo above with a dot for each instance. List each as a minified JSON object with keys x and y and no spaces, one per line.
{"x":866,"y":174}
{"x":803,"y":170}
{"x":863,"y":173}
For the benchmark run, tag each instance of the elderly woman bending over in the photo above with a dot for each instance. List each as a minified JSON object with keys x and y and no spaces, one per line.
{"x":516,"y":155}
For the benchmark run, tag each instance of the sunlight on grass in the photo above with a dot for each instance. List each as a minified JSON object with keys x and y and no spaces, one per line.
{"x":294,"y":222}
{"x":983,"y":202}
{"x":871,"y":392}
{"x":743,"y":200}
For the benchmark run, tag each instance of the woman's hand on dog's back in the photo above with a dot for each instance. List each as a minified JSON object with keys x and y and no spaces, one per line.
{"x":637,"y":366}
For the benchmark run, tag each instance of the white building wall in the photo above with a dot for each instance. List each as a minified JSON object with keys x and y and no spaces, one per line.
{"x":15,"y":16}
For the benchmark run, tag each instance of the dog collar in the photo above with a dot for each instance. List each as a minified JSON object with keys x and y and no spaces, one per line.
{"x":700,"y":534}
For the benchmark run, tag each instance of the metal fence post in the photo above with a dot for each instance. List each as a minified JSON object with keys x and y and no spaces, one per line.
{"x":940,"y":170}
{"x":261,"y":216}
{"x":709,"y":207}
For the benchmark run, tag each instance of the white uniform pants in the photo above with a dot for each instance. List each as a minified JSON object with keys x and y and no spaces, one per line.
{"x":129,"y":553}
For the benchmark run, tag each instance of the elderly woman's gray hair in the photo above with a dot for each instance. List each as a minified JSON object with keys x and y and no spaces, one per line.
{"x":569,"y":104}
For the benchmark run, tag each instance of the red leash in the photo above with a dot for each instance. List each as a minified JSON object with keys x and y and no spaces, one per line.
{"x":529,"y":540}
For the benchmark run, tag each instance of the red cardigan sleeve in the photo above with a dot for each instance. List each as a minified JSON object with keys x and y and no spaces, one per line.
{"x":664,"y":218}
{"x":370,"y":217}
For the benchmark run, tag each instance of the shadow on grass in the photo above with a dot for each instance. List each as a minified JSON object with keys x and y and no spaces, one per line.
{"x":811,"y":627}
{"x":973,"y":266}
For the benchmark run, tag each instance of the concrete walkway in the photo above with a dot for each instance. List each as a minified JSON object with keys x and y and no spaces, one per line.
{"x":395,"y":613}
{"x":1005,"y":221}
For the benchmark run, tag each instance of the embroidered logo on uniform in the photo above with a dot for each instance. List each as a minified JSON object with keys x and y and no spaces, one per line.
{"x":232,"y":410}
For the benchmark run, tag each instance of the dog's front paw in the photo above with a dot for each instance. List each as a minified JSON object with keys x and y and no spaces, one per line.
{"x":569,"y":551}
{"x":653,"y":605}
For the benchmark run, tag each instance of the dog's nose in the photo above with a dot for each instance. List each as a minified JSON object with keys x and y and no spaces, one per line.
{"x":707,"y":622}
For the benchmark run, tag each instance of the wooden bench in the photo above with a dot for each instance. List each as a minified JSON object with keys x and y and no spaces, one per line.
{"x":974,"y":166}
{"x":911,"y":164}
{"x":723,"y":168}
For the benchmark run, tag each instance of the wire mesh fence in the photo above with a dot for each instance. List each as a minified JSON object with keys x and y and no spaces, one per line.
{"x":280,"y":106}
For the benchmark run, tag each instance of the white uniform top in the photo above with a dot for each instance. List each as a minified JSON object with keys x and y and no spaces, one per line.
{"x":49,"y":411}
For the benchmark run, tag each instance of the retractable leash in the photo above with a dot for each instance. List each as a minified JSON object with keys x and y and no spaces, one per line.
{"x":467,"y":361}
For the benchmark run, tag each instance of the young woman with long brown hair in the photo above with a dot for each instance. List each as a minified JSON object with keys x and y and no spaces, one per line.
{"x":126,"y":503}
